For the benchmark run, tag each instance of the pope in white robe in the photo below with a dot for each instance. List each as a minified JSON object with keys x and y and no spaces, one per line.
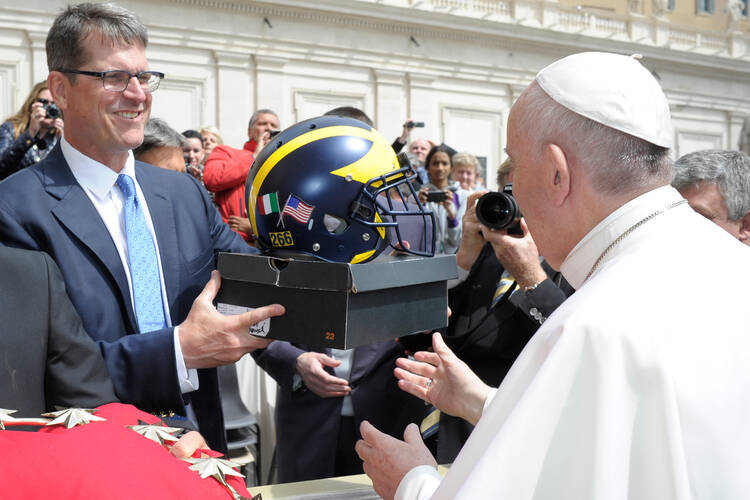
{"x":638,"y":386}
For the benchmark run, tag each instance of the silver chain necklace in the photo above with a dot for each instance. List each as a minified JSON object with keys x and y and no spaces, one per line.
{"x":628,"y":231}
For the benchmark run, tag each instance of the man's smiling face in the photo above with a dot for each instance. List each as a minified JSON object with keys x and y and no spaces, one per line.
{"x":105,"y":124}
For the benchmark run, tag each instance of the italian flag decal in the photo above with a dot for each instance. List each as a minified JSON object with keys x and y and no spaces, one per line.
{"x":268,"y":204}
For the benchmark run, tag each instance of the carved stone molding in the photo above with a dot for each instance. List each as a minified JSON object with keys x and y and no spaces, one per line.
{"x":225,"y":59}
{"x":270,"y":64}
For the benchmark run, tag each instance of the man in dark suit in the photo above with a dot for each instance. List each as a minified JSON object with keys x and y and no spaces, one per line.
{"x":135,"y":243}
{"x":315,"y":439}
{"x":46,"y":358}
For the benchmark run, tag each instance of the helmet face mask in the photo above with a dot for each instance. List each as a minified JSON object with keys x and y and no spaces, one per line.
{"x":326,"y":187}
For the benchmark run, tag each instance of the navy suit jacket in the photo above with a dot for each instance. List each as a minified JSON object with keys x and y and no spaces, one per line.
{"x":307,"y":426}
{"x":44,"y":208}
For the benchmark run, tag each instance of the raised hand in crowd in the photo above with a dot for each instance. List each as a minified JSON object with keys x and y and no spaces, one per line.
{"x":443,"y":380}
{"x":40,"y":124}
{"x":311,"y":366}
{"x":448,"y":203}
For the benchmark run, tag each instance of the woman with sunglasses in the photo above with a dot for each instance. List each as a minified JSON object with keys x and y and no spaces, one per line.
{"x":29,"y":135}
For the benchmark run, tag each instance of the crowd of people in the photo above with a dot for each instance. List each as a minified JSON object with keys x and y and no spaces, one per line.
{"x":580,"y":347}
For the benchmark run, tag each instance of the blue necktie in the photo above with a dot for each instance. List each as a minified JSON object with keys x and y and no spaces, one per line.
{"x":144,"y":267}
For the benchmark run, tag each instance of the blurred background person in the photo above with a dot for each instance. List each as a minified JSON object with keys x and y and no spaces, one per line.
{"x":162,"y":146}
{"x":226,"y":171}
{"x":262,"y":123}
{"x":193,"y":153}
{"x":211,"y":138}
{"x":29,"y":135}
{"x":444,"y":198}
{"x":466,"y":171}
{"x":716,"y":184}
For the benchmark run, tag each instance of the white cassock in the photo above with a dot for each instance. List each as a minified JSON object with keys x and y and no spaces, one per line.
{"x":637,"y":387}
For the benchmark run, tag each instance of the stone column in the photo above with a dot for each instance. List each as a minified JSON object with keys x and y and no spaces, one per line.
{"x":269,"y":87}
{"x":234,"y":92}
{"x":390,"y":102}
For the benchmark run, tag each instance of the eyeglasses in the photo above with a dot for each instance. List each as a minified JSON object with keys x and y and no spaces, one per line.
{"x":44,"y":101}
{"x":117,"y":80}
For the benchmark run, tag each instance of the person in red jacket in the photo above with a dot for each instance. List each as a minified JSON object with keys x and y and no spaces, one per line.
{"x":226,"y":171}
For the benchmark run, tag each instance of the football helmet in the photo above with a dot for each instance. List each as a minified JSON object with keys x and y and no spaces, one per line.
{"x":332,"y":187}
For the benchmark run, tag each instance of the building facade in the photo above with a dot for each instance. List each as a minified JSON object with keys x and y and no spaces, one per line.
{"x":457,"y":65}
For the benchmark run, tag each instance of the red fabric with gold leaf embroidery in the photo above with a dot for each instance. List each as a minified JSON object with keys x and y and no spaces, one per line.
{"x":100,"y":460}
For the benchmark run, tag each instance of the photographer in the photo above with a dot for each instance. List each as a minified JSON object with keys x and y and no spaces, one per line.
{"x":506,"y":296}
{"x":444,"y":198}
{"x":418,"y":150}
{"x":27,"y":136}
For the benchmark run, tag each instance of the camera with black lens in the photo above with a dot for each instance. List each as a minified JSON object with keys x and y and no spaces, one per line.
{"x":499,"y":210}
{"x":52,"y":110}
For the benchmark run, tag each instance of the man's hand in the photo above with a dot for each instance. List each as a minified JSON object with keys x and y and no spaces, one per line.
{"x":59,"y":127}
{"x":209,"y":338}
{"x":472,"y":239}
{"x":188,"y":444}
{"x":518,"y":255}
{"x":405,"y":131}
{"x":241,"y":224}
{"x":39,"y":124}
{"x":387,"y":460}
{"x":449,"y":204}
{"x":442,"y":379}
{"x":311,"y":367}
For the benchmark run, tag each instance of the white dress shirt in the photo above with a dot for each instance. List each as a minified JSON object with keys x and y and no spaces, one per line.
{"x":99,"y":183}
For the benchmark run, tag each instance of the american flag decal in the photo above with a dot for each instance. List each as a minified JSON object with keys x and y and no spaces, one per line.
{"x":297,"y":210}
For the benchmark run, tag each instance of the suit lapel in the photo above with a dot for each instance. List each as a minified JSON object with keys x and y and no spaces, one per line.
{"x":76,"y":212}
{"x":162,"y":217}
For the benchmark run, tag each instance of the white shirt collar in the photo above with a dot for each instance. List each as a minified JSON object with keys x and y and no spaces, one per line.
{"x":93,"y":176}
{"x":581,"y":259}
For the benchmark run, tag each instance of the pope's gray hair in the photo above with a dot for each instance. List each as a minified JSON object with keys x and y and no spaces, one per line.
{"x":114,"y":24}
{"x":615,"y":162}
{"x":729,"y":170}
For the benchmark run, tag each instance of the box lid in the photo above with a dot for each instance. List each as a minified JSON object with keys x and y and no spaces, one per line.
{"x":383,"y":272}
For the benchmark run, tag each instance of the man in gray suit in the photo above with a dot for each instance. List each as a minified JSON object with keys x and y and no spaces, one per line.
{"x":46,"y":357}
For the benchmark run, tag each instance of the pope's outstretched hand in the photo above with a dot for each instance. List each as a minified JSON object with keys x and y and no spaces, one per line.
{"x":440,"y":378}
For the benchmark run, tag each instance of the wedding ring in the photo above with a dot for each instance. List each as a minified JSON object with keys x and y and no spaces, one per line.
{"x":429,"y":383}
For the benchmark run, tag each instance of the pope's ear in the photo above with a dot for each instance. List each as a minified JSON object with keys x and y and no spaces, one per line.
{"x":557,"y":173}
{"x":744,"y":234}
{"x":59,"y":86}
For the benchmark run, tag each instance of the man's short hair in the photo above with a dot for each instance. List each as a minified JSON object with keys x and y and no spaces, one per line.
{"x":616,"y":162}
{"x":256,"y":115}
{"x":192,"y":134}
{"x":350,"y":112}
{"x":729,"y":170}
{"x":156,"y":134}
{"x":69,"y":30}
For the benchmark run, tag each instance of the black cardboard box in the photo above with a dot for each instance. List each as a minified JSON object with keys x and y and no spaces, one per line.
{"x":339,"y":305}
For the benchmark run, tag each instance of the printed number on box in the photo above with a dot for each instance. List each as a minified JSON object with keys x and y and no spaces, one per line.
{"x":281,"y":239}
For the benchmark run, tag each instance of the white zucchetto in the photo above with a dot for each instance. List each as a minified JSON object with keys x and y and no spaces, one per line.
{"x":611,"y":89}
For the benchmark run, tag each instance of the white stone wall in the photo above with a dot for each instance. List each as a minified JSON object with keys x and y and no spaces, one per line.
{"x":457,"y":65}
